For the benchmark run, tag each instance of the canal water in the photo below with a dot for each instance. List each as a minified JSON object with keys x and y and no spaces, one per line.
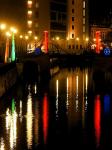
{"x":72,"y":110}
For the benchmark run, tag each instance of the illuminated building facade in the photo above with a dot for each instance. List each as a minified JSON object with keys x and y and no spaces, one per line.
{"x":65,"y":20}
{"x":77,"y":24}
{"x":38,"y":17}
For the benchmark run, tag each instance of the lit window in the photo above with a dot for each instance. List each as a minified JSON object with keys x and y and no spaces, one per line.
{"x":83,"y":20}
{"x":29,"y":3}
{"x":29,"y":13}
{"x":83,"y":12}
{"x":83,"y":29}
{"x":30,"y":32}
{"x":29,"y":23}
{"x":84,"y":5}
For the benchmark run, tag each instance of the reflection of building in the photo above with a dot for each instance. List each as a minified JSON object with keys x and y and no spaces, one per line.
{"x":61,"y":18}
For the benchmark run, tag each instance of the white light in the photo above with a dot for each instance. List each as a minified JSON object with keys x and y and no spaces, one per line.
{"x":29,"y":12}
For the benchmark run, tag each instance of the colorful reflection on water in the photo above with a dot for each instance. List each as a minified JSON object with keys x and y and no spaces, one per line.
{"x":67,"y":111}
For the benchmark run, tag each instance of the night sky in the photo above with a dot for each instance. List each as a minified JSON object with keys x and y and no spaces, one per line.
{"x":15,"y":10}
{"x":99,"y":9}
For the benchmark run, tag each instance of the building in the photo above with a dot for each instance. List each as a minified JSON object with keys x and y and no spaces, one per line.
{"x":105,"y":35}
{"x":77,"y":24}
{"x":65,"y":20}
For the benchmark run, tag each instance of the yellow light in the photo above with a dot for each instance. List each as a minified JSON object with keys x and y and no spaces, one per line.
{"x":87,"y":39}
{"x":77,"y":39}
{"x":26,"y":37}
{"x":13,"y":30}
{"x":29,"y":2}
{"x":30,"y":32}
{"x":29,"y":22}
{"x":94,"y":39}
{"x":8,"y":34}
{"x":57,"y":38}
{"x":2,"y":26}
{"x":21,"y":36}
{"x":29,"y":12}
{"x":35,"y":37}
{"x":67,"y":38}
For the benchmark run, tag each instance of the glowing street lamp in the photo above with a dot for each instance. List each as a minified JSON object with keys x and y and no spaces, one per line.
{"x":2,"y":26}
{"x":57,"y":38}
{"x":87,"y":39}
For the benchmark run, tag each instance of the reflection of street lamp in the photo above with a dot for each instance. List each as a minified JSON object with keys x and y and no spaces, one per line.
{"x":13,"y":57}
{"x":7,"y":47}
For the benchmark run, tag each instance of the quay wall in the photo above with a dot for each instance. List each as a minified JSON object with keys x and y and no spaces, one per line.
{"x":8,"y":77}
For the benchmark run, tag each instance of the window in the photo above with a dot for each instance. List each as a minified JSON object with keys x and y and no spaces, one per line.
{"x":72,"y":18}
{"x":72,"y":27}
{"x":73,"y":47}
{"x":72,"y":2}
{"x":83,"y":12}
{"x":83,"y":20}
{"x":72,"y":10}
{"x":83,"y":29}
{"x":84,"y":5}
{"x":69,"y":46}
{"x":72,"y":35}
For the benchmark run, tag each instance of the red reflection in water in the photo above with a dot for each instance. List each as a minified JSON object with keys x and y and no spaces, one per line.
{"x":97,"y":118}
{"x":45,"y":117}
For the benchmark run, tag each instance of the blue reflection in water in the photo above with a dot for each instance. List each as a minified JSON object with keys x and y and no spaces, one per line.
{"x":106,"y":104}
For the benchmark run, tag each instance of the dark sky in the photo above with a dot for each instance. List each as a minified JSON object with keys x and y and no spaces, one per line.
{"x":100,"y":9}
{"x":12,"y":12}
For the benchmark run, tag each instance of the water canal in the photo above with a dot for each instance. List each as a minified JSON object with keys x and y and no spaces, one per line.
{"x":72,"y":110}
